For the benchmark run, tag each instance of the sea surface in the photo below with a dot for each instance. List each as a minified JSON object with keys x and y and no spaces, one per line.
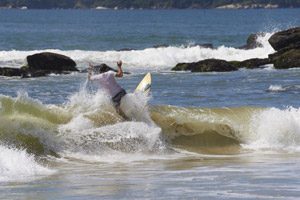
{"x":232,"y":135}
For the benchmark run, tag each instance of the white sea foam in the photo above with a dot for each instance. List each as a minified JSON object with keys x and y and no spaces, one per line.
{"x":17,"y":165}
{"x":150,"y":59}
{"x":275,"y":129}
{"x":269,"y":67}
{"x":276,"y":88}
{"x":120,"y":142}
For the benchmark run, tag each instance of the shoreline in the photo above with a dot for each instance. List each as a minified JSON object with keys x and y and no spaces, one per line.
{"x":224,"y":7}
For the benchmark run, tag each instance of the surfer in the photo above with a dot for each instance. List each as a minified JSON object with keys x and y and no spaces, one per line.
{"x":106,"y":79}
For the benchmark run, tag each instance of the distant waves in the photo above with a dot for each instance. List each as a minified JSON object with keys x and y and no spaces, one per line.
{"x":161,"y":58}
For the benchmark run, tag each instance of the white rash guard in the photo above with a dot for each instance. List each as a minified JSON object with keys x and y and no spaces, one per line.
{"x":108,"y":82}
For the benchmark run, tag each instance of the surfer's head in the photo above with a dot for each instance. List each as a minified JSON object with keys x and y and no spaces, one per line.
{"x":103,"y":68}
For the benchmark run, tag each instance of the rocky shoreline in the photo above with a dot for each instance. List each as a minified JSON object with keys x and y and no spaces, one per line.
{"x":193,"y":6}
{"x":287,"y":55}
{"x":42,"y":64}
{"x":248,"y":6}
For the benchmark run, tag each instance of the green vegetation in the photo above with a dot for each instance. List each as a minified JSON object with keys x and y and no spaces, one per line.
{"x":137,"y":4}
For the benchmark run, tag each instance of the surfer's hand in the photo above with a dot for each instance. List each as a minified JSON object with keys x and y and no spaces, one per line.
{"x":120,"y":71}
{"x":91,"y":65}
{"x":90,"y":71}
{"x":119,"y":63}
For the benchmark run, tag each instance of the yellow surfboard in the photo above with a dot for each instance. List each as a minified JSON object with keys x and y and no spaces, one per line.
{"x":145,"y":84}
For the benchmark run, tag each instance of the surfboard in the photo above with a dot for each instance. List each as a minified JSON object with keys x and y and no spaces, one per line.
{"x":145,"y":84}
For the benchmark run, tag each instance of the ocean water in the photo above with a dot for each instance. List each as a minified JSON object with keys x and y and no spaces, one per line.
{"x":233,"y":135}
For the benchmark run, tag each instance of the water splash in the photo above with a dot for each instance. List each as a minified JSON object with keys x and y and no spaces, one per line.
{"x":18,"y":165}
{"x":276,"y":88}
{"x":275,"y":129}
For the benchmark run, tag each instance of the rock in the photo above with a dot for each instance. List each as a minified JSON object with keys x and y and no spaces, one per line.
{"x":213,"y":65}
{"x":251,"y":63}
{"x":208,"y":65}
{"x":183,"y":67}
{"x":13,"y":72}
{"x":284,"y":39}
{"x":252,"y":41}
{"x":50,"y":61}
{"x":40,"y":73}
{"x":289,"y":59}
{"x":287,"y":45}
{"x":23,"y":73}
{"x":126,"y":49}
{"x":24,"y":68}
{"x":207,"y":46}
{"x":42,"y":64}
{"x":161,"y":46}
{"x":282,"y":51}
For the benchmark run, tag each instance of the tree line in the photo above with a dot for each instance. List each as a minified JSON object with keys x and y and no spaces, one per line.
{"x":137,"y":4}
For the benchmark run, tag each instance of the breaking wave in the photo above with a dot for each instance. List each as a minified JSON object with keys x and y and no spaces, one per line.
{"x":87,"y":127}
{"x":230,"y":130}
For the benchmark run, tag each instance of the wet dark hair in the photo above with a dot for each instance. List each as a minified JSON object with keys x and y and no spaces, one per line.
{"x":103,"y":68}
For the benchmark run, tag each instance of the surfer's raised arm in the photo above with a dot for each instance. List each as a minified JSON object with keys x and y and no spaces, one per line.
{"x":120,"y":71}
{"x":90,"y":71}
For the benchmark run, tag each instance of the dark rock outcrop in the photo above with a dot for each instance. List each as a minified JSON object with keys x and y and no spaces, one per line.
{"x":207,"y":46}
{"x":42,"y":64}
{"x":284,"y":39}
{"x":251,"y":63}
{"x":283,"y":50}
{"x":252,"y":41}
{"x":5,"y":71}
{"x":289,"y":59}
{"x":126,"y":49}
{"x":183,"y":67}
{"x":208,"y":65}
{"x":161,"y":46}
{"x":287,"y":45}
{"x":50,"y":62}
{"x":216,"y":65}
